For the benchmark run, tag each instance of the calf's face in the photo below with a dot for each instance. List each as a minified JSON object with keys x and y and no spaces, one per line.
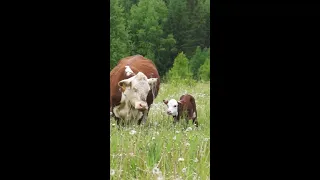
{"x":136,"y":89}
{"x":172,"y":107}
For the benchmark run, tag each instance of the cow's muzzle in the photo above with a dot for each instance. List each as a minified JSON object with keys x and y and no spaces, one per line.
{"x":141,"y":106}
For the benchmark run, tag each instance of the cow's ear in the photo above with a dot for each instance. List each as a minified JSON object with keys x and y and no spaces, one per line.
{"x":165,"y":101}
{"x":124,"y":83}
{"x":152,"y":80}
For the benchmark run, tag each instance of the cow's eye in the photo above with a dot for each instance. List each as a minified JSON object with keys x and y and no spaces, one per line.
{"x":175,"y":106}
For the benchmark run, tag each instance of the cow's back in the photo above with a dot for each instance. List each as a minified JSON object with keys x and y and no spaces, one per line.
{"x":137,"y":64}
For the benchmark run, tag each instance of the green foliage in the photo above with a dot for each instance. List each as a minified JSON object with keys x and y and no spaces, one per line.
{"x":180,"y":72}
{"x":177,"y":21}
{"x":166,"y":52}
{"x":145,"y":25}
{"x":159,"y":30}
{"x":204,"y":71}
{"x":198,"y":59}
{"x":119,"y":37}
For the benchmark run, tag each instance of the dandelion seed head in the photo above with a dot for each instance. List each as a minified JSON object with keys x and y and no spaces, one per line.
{"x":184,"y":170}
{"x":155,"y":170}
{"x":132,"y":132}
{"x":112,"y":172}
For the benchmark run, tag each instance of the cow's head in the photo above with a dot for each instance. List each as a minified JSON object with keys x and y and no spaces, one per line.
{"x":136,"y":89}
{"x":173,"y":106}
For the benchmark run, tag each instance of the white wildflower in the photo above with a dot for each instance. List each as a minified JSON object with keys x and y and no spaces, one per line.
{"x":156,"y":170}
{"x":174,"y":138}
{"x":177,"y":132}
{"x":195,"y":160}
{"x":184,"y":170}
{"x":153,"y":138}
{"x":189,"y":129}
{"x":187,"y":144}
{"x":131,"y":154}
{"x":113,"y":124}
{"x":132,"y":132}
{"x":181,"y":159}
{"x":112,"y":172}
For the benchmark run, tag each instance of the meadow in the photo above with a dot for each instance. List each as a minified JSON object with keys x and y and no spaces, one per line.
{"x":160,"y":150}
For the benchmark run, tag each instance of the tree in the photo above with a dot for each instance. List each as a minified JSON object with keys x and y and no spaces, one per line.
{"x":146,"y":22}
{"x":198,"y":59}
{"x":204,"y":71}
{"x":166,"y":54}
{"x":198,"y":32}
{"x":119,"y":37}
{"x":177,"y":21}
{"x":180,"y":70}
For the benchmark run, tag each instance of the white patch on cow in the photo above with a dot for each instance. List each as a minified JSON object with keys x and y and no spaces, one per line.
{"x":126,"y":113}
{"x":172,"y":107}
{"x":194,"y":115}
{"x":128,"y":71}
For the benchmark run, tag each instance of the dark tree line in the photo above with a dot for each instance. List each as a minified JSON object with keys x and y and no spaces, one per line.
{"x":161,"y":30}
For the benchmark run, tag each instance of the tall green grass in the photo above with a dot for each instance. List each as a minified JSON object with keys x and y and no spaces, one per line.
{"x":159,"y":150}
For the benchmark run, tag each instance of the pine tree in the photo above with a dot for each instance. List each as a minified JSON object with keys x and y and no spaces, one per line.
{"x":119,"y":37}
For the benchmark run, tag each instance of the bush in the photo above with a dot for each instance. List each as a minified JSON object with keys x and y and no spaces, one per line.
{"x":180,"y":72}
{"x":198,"y":59}
{"x":204,"y":71}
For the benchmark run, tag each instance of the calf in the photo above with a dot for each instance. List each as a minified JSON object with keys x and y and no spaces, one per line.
{"x":184,"y":108}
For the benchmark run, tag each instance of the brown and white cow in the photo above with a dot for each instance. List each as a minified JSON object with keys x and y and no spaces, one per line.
{"x":184,"y":108}
{"x":134,"y":84}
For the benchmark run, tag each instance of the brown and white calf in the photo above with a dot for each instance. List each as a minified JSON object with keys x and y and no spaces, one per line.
{"x":184,"y":108}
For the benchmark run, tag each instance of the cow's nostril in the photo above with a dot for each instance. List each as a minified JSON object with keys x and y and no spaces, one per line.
{"x":140,"y":105}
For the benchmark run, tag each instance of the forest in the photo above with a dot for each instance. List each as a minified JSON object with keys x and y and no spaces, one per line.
{"x":174,"y":34}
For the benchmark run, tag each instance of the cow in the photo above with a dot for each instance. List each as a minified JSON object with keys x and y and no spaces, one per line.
{"x":184,"y":108}
{"x":134,"y":84}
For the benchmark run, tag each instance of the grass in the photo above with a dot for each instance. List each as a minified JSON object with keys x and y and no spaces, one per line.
{"x":159,"y":150}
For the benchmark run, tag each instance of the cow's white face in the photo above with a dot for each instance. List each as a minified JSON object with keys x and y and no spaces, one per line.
{"x":172,"y":107}
{"x":135,"y":90}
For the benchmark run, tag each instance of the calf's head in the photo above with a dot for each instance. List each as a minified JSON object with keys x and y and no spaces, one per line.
{"x":136,"y":89}
{"x":173,"y":106}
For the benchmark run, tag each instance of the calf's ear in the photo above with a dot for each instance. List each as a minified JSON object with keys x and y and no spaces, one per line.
{"x":165,"y":101}
{"x":152,"y":81}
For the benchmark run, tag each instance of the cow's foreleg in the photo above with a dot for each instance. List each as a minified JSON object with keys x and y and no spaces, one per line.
{"x":144,"y":117}
{"x":195,"y":121}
